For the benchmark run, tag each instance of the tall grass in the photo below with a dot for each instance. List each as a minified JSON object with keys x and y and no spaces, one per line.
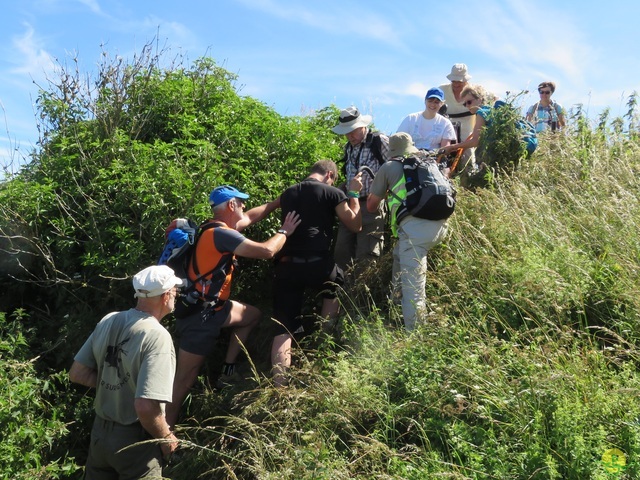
{"x":525,"y":365}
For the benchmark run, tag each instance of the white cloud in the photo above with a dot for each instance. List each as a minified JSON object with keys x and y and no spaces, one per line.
{"x":360,"y":22}
{"x":522,"y":35}
{"x":93,"y":5}
{"x":32,"y":59}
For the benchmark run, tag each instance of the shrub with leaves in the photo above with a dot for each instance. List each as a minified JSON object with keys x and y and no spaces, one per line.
{"x":525,"y":367}
{"x":501,"y":148}
{"x":32,"y":423}
{"x":120,"y":156}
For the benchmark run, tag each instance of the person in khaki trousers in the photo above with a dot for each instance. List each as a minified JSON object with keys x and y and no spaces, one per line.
{"x":416,"y":236}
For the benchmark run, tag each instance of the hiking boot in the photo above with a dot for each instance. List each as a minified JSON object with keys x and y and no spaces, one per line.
{"x":227,"y":380}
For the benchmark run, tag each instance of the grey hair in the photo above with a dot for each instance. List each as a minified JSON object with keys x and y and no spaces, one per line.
{"x":217,"y":209}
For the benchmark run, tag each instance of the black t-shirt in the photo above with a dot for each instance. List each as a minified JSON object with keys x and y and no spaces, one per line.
{"x":316,"y":204}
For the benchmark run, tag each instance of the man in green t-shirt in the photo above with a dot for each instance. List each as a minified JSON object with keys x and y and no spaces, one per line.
{"x":415,"y":236}
{"x":130,"y":360}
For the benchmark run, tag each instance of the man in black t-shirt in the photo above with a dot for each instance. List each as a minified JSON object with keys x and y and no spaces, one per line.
{"x":305,"y":260}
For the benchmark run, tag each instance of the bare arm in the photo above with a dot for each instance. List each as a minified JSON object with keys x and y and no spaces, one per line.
{"x":258,"y":213}
{"x":473,"y":139}
{"x":83,"y":375}
{"x":373,"y":202}
{"x":268,"y":249}
{"x":154,"y":422}
{"x":531,"y":112}
{"x":561,"y":121}
{"x":349,"y":213}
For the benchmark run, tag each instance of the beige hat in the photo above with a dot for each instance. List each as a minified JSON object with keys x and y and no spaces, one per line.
{"x":401,"y":145}
{"x":350,"y":119}
{"x":154,"y":281}
{"x":459,"y":73}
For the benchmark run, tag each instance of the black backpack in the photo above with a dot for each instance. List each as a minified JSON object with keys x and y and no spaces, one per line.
{"x":374,"y":143}
{"x":430,"y":194}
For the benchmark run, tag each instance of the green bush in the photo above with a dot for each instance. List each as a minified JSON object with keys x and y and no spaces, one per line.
{"x":118,"y":162}
{"x":31,"y":421}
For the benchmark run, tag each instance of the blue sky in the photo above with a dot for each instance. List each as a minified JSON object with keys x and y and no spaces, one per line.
{"x":297,"y":56}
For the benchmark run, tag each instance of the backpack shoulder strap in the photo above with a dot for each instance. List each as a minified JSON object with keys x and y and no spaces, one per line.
{"x":201,"y":229}
{"x":374,"y":142}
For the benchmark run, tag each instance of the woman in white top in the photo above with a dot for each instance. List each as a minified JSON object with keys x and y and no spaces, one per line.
{"x":428,"y":129}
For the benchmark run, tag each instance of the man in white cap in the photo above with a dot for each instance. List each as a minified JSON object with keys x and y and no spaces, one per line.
{"x":460,"y":114}
{"x":363,"y":149}
{"x":416,"y":236}
{"x":215,"y":252}
{"x":129,"y":359}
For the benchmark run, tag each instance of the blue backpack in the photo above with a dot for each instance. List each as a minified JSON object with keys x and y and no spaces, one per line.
{"x":527,"y":130}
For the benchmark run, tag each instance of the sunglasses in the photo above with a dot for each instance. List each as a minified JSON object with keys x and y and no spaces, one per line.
{"x":544,"y":92}
{"x":468,"y":103}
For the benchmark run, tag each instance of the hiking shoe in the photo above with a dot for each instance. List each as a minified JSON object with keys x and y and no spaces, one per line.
{"x":227,"y":380}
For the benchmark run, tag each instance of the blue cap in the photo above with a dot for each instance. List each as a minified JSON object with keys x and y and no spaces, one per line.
{"x":435,"y":93}
{"x":225,"y":193}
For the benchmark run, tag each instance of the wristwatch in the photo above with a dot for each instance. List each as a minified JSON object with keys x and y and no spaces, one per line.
{"x":282,"y":231}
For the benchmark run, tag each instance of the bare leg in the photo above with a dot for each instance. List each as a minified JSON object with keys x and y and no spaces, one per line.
{"x":329,"y":313}
{"x":330,"y":308}
{"x":186,"y":374}
{"x":242,"y":318}
{"x":281,"y":358}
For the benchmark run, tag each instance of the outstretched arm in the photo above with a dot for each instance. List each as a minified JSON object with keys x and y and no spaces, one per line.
{"x":472,"y":141}
{"x":258,"y":213}
{"x":268,"y":249}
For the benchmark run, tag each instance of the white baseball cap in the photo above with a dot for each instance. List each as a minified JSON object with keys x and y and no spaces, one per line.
{"x":154,"y":281}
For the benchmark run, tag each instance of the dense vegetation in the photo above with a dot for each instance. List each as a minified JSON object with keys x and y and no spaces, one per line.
{"x":526,"y":363}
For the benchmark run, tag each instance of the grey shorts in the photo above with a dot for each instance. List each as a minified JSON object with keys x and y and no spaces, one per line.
{"x":107,"y":460}
{"x":198,"y":332}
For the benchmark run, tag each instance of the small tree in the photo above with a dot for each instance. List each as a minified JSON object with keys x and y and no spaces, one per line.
{"x":501,"y":148}
{"x":120,"y":156}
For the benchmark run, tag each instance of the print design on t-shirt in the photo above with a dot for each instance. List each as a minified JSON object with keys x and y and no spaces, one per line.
{"x":113,"y":358}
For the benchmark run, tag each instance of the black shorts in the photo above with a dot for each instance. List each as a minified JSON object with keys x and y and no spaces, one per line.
{"x":198,"y":332}
{"x":292,"y":278}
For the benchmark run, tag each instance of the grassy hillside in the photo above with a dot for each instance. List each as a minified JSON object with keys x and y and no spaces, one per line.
{"x":525,"y":366}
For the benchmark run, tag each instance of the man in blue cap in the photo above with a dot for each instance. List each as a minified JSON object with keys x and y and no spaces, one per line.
{"x":217,"y":246}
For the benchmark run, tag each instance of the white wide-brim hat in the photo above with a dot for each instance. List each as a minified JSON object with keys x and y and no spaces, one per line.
{"x":350,"y":119}
{"x":459,"y":73}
